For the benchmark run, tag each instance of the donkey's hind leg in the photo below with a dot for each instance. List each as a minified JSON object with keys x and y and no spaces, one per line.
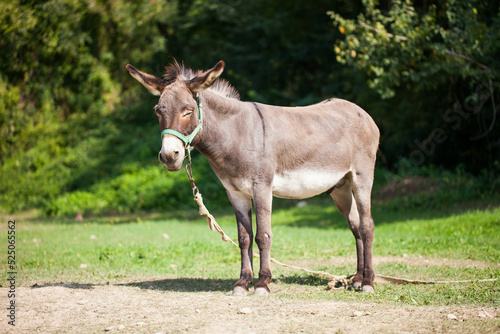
{"x":362,"y":182}
{"x":344,"y":200}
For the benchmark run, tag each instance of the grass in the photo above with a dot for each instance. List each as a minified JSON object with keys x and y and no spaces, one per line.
{"x":180,"y":253}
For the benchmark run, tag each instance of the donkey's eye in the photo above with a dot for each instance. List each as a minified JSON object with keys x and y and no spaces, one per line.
{"x":187,"y":113}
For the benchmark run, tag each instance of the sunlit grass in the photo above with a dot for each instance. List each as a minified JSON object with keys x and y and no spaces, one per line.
{"x":110,"y":250}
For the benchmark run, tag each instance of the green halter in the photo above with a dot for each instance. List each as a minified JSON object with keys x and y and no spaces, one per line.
{"x":187,"y":139}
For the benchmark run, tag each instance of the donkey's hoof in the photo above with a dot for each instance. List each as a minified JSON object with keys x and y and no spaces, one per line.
{"x":368,"y":289}
{"x":239,"y":291}
{"x":357,"y":285}
{"x":261,"y":292}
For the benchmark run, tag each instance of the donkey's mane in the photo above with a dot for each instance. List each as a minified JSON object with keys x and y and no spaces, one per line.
{"x":176,"y":71}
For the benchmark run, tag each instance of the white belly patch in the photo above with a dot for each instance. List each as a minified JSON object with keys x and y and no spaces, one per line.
{"x":305,"y":183}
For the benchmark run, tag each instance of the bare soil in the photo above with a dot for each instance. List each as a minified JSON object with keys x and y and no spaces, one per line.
{"x":408,"y":186}
{"x":127,"y":308}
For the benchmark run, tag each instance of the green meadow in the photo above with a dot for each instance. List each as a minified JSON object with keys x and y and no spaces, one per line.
{"x":179,"y":250}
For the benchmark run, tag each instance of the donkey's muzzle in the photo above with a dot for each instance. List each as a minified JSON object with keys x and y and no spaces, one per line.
{"x":172,"y":153}
{"x":172,"y":160}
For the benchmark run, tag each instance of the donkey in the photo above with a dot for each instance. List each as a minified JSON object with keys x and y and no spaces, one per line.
{"x":259,"y":151}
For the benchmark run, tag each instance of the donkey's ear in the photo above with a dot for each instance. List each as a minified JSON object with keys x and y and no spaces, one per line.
{"x":153,"y":84}
{"x":203,"y":80}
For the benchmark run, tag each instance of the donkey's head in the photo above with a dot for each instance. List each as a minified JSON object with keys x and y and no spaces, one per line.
{"x":177,"y":108}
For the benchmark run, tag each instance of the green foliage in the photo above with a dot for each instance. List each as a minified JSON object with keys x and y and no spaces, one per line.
{"x":438,"y":65}
{"x":133,"y":190}
{"x":141,"y":188}
{"x":401,"y":46}
{"x":76,"y":128}
{"x":72,"y":119}
{"x":61,"y":75}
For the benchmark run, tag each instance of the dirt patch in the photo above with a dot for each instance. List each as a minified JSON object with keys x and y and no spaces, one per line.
{"x":121,"y":308}
{"x":406,"y":187}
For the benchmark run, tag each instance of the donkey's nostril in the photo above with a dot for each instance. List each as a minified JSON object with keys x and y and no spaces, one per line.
{"x":170,"y":157}
{"x":160,"y":157}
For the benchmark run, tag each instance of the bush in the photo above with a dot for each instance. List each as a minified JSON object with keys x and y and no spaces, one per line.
{"x":142,"y":188}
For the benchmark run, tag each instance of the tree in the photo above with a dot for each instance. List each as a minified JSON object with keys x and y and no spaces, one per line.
{"x":445,"y":51}
{"x":61,"y":71}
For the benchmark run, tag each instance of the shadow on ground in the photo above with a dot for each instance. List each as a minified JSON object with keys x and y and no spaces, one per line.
{"x":185,"y":284}
{"x":210,"y":284}
{"x":64,"y":285}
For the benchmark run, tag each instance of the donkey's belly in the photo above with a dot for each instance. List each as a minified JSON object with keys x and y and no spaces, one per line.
{"x":305,"y":183}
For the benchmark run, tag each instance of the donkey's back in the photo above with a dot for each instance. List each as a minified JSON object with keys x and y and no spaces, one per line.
{"x":316,"y":147}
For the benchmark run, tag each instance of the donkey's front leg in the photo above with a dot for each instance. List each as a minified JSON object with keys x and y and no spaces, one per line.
{"x":262,"y":199}
{"x":243,"y":210}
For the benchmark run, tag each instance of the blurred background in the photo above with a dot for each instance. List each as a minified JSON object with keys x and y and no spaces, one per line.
{"x":79,"y":135}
